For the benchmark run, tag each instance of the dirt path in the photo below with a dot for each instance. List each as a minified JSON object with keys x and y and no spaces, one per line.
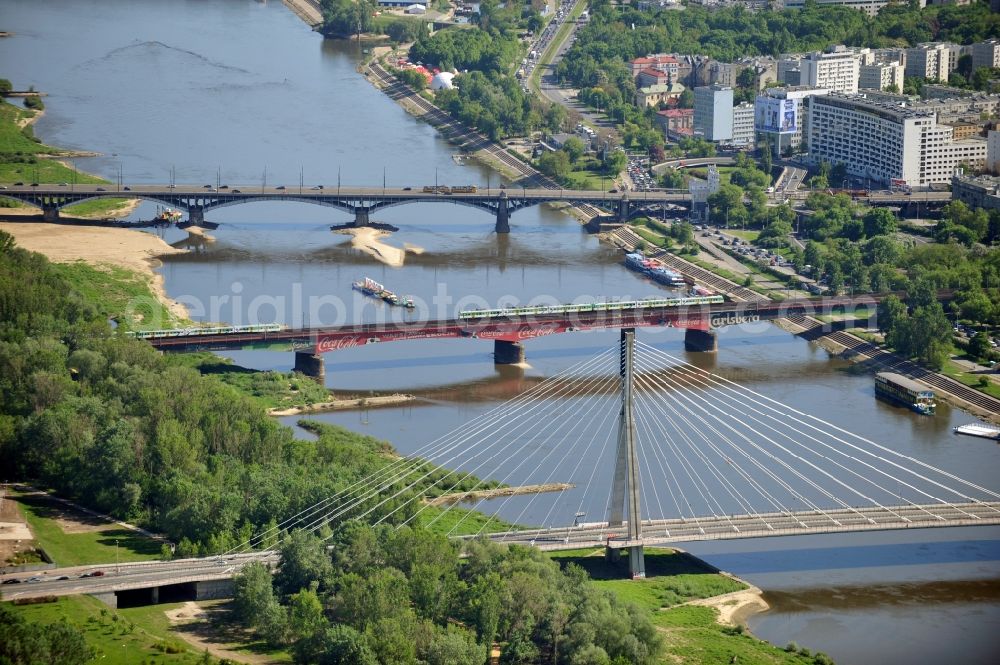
{"x":197,"y":626}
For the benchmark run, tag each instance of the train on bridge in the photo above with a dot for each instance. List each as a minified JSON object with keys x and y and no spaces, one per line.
{"x":445,"y":189}
{"x":587,"y":308}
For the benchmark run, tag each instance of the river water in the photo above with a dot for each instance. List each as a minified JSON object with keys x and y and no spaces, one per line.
{"x":226,"y":89}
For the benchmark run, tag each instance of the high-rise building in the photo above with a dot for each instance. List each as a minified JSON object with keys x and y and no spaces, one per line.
{"x":931,"y":60}
{"x":993,"y":152}
{"x":881,"y":76}
{"x":784,"y":132}
{"x":837,"y":70}
{"x":713,"y":112}
{"x":743,"y":119}
{"x":986,"y":54}
{"x":886,"y":142}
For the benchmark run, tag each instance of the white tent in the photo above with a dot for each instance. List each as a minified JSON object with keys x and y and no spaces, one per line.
{"x":443,"y":81}
{"x":416,"y":9}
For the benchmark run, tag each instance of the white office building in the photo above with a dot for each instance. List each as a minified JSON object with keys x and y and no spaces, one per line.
{"x":713,"y":112}
{"x":835,"y":70}
{"x":743,"y":132}
{"x":886,"y":142}
{"x":881,"y":76}
{"x":931,"y":60}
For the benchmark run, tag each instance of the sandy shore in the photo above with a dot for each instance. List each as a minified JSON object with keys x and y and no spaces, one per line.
{"x":341,"y":404}
{"x":736,"y":607}
{"x":127,"y":248}
{"x":368,"y":240}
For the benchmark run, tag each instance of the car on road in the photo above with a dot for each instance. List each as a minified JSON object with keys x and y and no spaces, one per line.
{"x":206,"y":187}
{"x":281,"y":187}
{"x":127,"y":189}
{"x":407,"y":189}
{"x":64,"y":184}
{"x":19,"y":184}
{"x":34,"y":184}
{"x":12,"y":580}
{"x":236,"y":191}
{"x":33,"y":580}
{"x":62,"y":577}
{"x":101,"y":189}
{"x":223,"y":186}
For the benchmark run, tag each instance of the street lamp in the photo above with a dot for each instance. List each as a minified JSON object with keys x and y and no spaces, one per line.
{"x":117,"y":569}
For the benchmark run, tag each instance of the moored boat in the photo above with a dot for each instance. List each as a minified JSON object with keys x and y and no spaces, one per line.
{"x":370,"y":287}
{"x":906,"y":391}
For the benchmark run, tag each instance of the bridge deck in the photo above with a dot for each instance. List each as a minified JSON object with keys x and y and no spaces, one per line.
{"x":655,"y":532}
{"x":729,"y":527}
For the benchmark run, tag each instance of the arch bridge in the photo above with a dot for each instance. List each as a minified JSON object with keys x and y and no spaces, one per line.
{"x":361,"y":202}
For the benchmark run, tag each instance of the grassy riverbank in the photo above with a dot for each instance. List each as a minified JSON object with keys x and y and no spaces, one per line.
{"x":24,"y":158}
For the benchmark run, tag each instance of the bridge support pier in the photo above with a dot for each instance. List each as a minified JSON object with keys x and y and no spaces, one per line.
{"x":507,"y":353}
{"x":361,"y":217}
{"x":623,"y":209}
{"x":196,"y":216}
{"x":50,"y":214}
{"x":154,"y":595}
{"x":700,"y":340}
{"x":503,"y":214}
{"x":310,"y":364}
{"x":625,"y":489}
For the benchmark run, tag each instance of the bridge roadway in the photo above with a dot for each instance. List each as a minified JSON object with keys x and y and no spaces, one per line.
{"x":362,"y":201}
{"x":153,"y":574}
{"x":764,"y":525}
{"x":513,"y":329}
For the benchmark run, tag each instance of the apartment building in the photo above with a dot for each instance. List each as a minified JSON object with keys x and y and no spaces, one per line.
{"x":713,"y":112}
{"x":931,"y":60}
{"x":870,"y":7}
{"x":743,"y":124}
{"x":881,"y":76}
{"x":986,"y":54}
{"x":837,"y":69}
{"x":886,"y":142}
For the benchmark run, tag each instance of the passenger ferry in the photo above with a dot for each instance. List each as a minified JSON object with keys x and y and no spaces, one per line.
{"x":906,"y":391}
{"x":655,"y":269}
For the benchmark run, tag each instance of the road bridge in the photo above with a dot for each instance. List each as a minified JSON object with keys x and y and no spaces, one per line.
{"x":361,"y":202}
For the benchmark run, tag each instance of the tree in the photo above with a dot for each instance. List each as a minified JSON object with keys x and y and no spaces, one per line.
{"x":979,"y":346}
{"x":890,"y":312}
{"x":554,"y":163}
{"x":305,"y":614}
{"x":336,"y":644}
{"x":252,"y":594}
{"x":686,"y":99}
{"x":879,"y":222}
{"x":615,"y":162}
{"x":303,"y":560}
{"x":574,"y":148}
{"x":5,"y":86}
{"x":363,"y":601}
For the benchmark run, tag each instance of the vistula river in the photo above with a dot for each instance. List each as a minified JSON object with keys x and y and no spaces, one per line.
{"x":226,"y":89}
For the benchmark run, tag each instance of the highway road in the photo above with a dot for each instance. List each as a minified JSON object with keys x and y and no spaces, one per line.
{"x":139,"y":575}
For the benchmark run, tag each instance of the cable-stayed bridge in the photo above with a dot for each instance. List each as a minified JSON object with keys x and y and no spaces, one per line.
{"x":646,"y":449}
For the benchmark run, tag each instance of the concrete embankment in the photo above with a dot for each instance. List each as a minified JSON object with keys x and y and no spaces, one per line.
{"x":479,"y":495}
{"x":344,"y":404}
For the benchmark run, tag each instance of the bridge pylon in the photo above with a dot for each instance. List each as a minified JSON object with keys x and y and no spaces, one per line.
{"x":503,"y":214}
{"x":625,"y":491}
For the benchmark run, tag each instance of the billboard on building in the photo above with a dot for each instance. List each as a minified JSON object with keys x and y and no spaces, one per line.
{"x":776,"y":116}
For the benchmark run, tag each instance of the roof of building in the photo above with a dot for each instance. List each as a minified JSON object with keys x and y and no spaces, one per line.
{"x":676,"y":113}
{"x":662,"y":88}
{"x":655,"y":60}
{"x":655,"y":73}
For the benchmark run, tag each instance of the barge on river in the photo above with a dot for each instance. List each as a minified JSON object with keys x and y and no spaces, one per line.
{"x":371,"y":288}
{"x":904,"y":390}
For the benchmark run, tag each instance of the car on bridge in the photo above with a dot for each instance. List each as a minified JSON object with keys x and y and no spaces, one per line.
{"x":236,"y":191}
{"x":281,"y":187}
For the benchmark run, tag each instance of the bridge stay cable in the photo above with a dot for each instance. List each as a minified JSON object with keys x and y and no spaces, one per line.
{"x":767,"y":402}
{"x":585,"y":423}
{"x":681,"y":390}
{"x":595,"y":386}
{"x":418,"y":458}
{"x":744,"y":395}
{"x":647,"y":406}
{"x":740,"y":408}
{"x":747,"y":453}
{"x":449,"y":472}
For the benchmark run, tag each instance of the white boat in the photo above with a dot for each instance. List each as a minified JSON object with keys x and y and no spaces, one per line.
{"x":979,"y":429}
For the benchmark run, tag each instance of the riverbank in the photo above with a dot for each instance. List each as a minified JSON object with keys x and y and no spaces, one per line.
{"x":124,"y":248}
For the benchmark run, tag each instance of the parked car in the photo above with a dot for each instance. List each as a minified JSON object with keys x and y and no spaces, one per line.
{"x":12,"y":580}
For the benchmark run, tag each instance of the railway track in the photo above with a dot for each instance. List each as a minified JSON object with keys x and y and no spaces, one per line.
{"x":469,"y":139}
